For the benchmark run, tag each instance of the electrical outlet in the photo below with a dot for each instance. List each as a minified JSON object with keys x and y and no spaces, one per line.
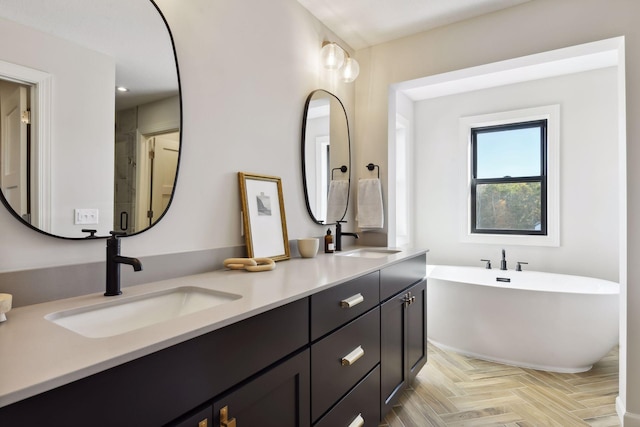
{"x":86,"y":216}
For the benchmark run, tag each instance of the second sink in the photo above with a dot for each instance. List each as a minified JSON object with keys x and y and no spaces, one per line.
{"x":124,"y":315}
{"x":370,"y":253}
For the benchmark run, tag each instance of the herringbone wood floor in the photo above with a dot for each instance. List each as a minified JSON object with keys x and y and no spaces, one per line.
{"x":453,"y":390}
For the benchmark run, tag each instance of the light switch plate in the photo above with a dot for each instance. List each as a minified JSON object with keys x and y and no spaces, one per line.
{"x":86,"y":216}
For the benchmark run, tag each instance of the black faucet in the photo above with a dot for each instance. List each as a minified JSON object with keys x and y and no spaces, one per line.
{"x":114,"y":259}
{"x":503,"y":263}
{"x":339,"y":234}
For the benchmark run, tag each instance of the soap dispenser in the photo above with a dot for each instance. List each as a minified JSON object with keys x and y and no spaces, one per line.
{"x":328,"y":243}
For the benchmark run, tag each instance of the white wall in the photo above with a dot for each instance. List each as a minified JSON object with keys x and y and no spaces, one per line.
{"x":588,"y":174}
{"x":533,"y":27}
{"x":246,"y":69}
{"x":81,"y":138}
{"x":159,"y":116}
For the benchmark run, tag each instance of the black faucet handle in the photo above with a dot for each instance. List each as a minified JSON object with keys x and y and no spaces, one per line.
{"x":519,"y":265}
{"x":488,"y":261}
{"x":92,"y":233}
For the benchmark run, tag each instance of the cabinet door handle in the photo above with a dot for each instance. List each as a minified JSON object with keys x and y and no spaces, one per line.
{"x":358,"y":422}
{"x":224,"y":418}
{"x":352,"y":301}
{"x":353,"y":357}
{"x":408,"y":299}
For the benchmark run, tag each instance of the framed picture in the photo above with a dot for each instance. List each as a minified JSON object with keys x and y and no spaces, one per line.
{"x":263,"y":218}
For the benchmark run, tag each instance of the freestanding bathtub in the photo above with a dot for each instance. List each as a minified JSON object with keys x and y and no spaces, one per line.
{"x":552,"y":322}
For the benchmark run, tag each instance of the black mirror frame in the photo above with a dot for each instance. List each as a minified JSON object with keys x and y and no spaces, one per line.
{"x":302,"y":154}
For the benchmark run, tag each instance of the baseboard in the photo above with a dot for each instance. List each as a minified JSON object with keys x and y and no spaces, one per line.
{"x":627,"y":419}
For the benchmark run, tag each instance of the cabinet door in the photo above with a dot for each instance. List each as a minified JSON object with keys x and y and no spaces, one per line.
{"x":417,"y":329}
{"x":403,"y":342}
{"x":392,"y":354}
{"x":277,"y":398}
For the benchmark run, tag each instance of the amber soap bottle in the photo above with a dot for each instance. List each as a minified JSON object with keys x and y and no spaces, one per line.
{"x":328,"y":243}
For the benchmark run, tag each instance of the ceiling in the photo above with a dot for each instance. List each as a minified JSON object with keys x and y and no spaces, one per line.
{"x":364,"y":23}
{"x":144,"y":59}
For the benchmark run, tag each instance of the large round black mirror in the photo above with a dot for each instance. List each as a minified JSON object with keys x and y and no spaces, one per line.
{"x":326,"y":157}
{"x":68,"y":71}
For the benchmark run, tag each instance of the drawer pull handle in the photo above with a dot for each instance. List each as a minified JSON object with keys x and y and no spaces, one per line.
{"x":353,"y":357}
{"x":358,"y":422}
{"x":352,"y":301}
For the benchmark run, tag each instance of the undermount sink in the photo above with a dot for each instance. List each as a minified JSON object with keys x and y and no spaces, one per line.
{"x":125,"y":315}
{"x":370,"y":253}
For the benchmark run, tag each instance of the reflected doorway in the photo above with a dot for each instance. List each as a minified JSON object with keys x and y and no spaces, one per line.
{"x":146,"y":174}
{"x":15,"y":146}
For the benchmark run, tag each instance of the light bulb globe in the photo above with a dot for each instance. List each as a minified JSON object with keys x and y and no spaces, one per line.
{"x":332,"y":56}
{"x":350,"y":70}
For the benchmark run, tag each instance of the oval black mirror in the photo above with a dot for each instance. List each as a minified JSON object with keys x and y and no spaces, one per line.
{"x":326,"y":157}
{"x":71,"y":168}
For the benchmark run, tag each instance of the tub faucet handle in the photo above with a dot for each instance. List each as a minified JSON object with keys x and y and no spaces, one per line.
{"x":488,"y":261}
{"x":519,"y":265}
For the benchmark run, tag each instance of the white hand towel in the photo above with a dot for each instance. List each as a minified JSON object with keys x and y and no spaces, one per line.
{"x":337,"y":200}
{"x":370,"y":209}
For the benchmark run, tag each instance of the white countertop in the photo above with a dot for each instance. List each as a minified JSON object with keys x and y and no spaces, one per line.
{"x":37,"y":355}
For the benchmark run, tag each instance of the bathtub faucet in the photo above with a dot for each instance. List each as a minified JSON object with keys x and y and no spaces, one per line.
{"x":503,"y":263}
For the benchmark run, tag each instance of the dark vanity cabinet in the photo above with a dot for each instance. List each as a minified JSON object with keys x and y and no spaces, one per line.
{"x":339,"y":357}
{"x":403,"y":329}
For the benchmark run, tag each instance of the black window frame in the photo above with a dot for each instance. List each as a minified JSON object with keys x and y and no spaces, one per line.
{"x":542,"y":178}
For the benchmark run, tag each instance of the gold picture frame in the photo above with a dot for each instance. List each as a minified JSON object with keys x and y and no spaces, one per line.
{"x":263,"y":218}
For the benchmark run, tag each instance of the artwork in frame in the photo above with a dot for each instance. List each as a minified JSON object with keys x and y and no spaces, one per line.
{"x":263,"y":217}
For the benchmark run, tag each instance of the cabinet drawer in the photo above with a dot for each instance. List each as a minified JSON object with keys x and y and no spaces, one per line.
{"x":331,"y":375}
{"x":334,"y":307}
{"x":397,"y":277}
{"x":361,"y":403}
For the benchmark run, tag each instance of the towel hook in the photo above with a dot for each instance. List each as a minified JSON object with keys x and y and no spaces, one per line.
{"x":342,"y":169}
{"x":370,"y":166}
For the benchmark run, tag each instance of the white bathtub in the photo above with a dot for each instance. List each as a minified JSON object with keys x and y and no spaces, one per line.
{"x":552,"y":322}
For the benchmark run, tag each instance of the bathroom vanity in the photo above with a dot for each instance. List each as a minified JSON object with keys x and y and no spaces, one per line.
{"x":326,"y":341}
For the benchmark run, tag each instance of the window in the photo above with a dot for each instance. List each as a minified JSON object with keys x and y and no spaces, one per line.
{"x":510,"y":194}
{"x":509,"y":178}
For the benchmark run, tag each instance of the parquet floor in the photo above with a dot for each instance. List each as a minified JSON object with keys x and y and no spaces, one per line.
{"x":454,"y":390}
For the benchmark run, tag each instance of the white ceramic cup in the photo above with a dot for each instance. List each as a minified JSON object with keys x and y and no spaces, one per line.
{"x":308,"y":248}
{"x":5,"y":305}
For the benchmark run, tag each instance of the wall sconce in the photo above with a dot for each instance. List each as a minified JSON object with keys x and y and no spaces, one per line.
{"x":334,"y":57}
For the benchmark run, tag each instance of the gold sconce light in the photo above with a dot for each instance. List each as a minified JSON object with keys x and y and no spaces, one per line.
{"x":334,"y":57}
